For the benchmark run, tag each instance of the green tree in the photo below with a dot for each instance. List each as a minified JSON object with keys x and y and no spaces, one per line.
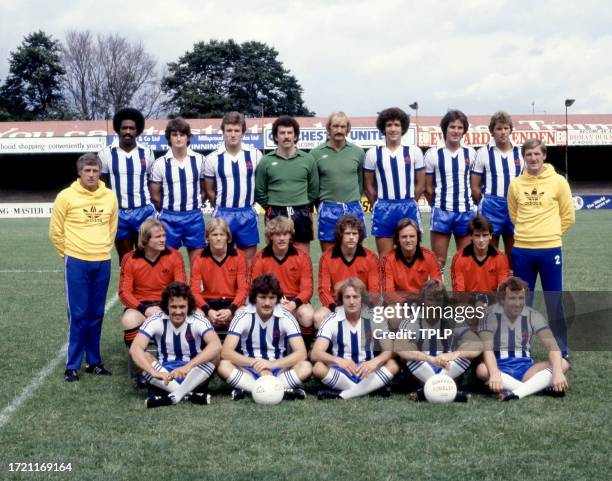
{"x":220,"y":76}
{"x":32,"y":89}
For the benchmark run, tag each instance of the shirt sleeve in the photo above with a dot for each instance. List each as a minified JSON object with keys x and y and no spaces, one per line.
{"x":566,"y":206}
{"x":261,"y":184}
{"x":306,"y":280}
{"x":313,"y":181}
{"x":458,"y":280}
{"x":430,"y":161}
{"x":157,"y":170}
{"x":291,"y":326}
{"x":238,"y":324}
{"x":178,"y":267}
{"x":537,"y":321}
{"x":150,"y":160}
{"x":196,"y":282}
{"x":126,"y":283}
{"x":56,"y":225}
{"x":503,"y":267}
{"x":417,"y":158}
{"x":150,"y":326}
{"x":327,"y":330}
{"x":114,"y":218}
{"x":103,"y":156}
{"x":242,"y":281}
{"x":369,"y":162}
{"x":209,"y":169}
{"x":478,"y":167}
{"x":325,"y":283}
{"x":512,"y":201}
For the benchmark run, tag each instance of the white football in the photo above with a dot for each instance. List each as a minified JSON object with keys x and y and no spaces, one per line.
{"x":440,"y":389}
{"x":268,"y":390}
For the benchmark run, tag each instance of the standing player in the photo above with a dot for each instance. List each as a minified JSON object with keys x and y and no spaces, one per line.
{"x":126,"y":167}
{"x":219,"y":276}
{"x":344,"y":352}
{"x":495,"y":166}
{"x":145,"y":272}
{"x":293,"y":269}
{"x":428,"y":348}
{"x":340,"y":167}
{"x":541,"y":207}
{"x":82,"y":229}
{"x":348,"y":258}
{"x":229,"y":180}
{"x":479,"y":266}
{"x":187,"y":349}
{"x":508,"y":368}
{"x":408,"y":266}
{"x":448,"y":186}
{"x":287,"y":181}
{"x":394,"y":178}
{"x":264,"y":339}
{"x":177,"y":190}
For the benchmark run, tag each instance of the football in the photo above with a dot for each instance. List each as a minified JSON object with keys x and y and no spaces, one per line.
{"x":440,"y":389}
{"x":268,"y":390}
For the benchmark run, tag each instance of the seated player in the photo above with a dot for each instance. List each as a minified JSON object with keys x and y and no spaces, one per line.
{"x":427,"y":349}
{"x":348,"y":258}
{"x":479,"y":266}
{"x":293,"y":269}
{"x":506,"y":332}
{"x":344,"y":352}
{"x":187,"y":349}
{"x":219,"y":276}
{"x":264,"y":339}
{"x":144,"y":274}
{"x":406,"y":268}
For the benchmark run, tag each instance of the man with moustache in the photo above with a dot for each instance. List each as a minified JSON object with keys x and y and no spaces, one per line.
{"x":340,"y":167}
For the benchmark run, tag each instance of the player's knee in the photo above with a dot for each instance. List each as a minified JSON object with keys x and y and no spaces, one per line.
{"x":305,"y":315}
{"x":132,"y":319}
{"x":303,"y":369}
{"x":482,"y":372}
{"x":319,"y":370}
{"x":225,"y":368}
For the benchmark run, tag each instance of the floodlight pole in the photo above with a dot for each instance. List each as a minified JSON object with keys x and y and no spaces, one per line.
{"x":568,"y":103}
{"x":415,"y":106}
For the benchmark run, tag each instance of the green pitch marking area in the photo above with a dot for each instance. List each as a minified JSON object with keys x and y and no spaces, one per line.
{"x":101,"y":427}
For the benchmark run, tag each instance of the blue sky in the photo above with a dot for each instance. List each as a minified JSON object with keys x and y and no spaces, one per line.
{"x":362,"y":56}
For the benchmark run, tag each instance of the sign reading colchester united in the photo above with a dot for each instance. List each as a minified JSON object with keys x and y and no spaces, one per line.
{"x":362,"y":136}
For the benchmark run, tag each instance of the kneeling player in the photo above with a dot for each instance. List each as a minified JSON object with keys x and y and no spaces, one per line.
{"x":187,"y":349}
{"x":264,"y":339}
{"x":427,"y":347}
{"x":343,"y":353}
{"x":293,"y":269}
{"x":508,"y":368}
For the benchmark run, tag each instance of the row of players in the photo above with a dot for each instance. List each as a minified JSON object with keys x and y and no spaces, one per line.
{"x":287,"y":182}
{"x":220,"y":275}
{"x":264,"y":339}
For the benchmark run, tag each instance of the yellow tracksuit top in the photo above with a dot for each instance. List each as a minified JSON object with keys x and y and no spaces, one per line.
{"x":83,"y":223}
{"x":541,"y":207}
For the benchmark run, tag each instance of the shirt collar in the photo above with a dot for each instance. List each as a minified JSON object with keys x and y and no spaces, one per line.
{"x":337,"y":251}
{"x":268,"y":252}
{"x":250,"y":309}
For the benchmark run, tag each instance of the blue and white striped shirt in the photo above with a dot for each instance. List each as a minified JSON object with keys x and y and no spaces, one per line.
{"x":451,"y":171}
{"x":348,"y":341}
{"x":264,"y":340}
{"x":234,"y":176}
{"x":512,"y":338}
{"x":182,"y":344}
{"x":128,"y":173}
{"x":180,"y":181}
{"x":394,"y":170}
{"x":498,"y":169}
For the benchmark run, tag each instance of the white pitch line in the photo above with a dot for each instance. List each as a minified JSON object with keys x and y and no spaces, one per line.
{"x":21,"y":271}
{"x":38,"y":381}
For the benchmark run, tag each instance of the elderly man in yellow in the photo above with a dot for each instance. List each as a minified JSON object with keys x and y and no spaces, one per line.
{"x":82,"y":229}
{"x":542,"y":209}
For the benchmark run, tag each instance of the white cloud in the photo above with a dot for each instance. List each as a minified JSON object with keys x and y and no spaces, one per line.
{"x":361,"y":56}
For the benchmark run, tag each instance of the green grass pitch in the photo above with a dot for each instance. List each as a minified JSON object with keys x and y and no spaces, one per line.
{"x":101,"y":426}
